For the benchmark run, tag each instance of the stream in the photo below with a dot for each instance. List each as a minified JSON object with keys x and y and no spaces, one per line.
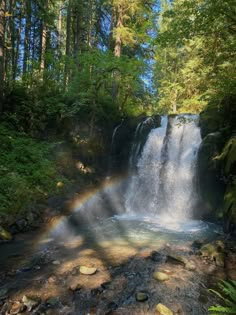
{"x":125,"y":233}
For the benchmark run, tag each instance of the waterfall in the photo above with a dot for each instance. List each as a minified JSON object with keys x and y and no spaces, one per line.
{"x":137,"y":143}
{"x":114,"y":135}
{"x":163,"y":184}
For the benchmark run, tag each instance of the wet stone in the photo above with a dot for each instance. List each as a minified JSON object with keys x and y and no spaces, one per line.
{"x":157,"y":257}
{"x":87,"y":270}
{"x":3,"y":293}
{"x":75,"y":287}
{"x":52,"y":279}
{"x":163,"y":310}
{"x":5,"y":235}
{"x":190,"y":266}
{"x":160,"y":276}
{"x":17,"y":307}
{"x":56,"y":262}
{"x":30,"y":302}
{"x":141,"y":296}
{"x":53,"y":301}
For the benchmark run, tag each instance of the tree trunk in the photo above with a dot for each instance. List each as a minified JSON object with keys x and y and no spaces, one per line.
{"x":43,"y":42}
{"x":119,"y":23}
{"x":13,"y":41}
{"x":78,"y":28}
{"x":2,"y":50}
{"x":18,"y":42}
{"x":60,"y":25}
{"x":27,"y":36}
{"x":68,"y":43}
{"x":90,"y":24}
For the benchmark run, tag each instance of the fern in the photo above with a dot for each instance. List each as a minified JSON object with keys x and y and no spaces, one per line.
{"x":228,"y":296}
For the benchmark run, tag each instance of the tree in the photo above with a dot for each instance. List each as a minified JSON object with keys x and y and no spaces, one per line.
{"x":2,"y":50}
{"x":194,"y":53}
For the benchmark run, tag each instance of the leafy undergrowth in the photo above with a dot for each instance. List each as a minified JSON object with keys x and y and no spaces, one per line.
{"x":227,"y":294}
{"x":27,"y":173}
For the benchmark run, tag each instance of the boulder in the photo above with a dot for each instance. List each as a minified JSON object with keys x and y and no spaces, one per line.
{"x":211,"y":184}
{"x":215,"y":251}
{"x":163,"y":310}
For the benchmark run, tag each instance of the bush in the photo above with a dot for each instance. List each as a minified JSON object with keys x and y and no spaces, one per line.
{"x":227,"y":294}
{"x":27,"y":174}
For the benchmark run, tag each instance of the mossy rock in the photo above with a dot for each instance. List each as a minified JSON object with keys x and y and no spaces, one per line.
{"x":211,"y":184}
{"x":210,"y":121}
{"x":229,"y":208}
{"x":215,"y":251}
{"x":227,"y":159}
{"x":5,"y":235}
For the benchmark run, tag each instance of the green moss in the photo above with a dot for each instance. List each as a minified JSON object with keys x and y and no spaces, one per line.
{"x":27,"y":173}
{"x":228,"y":155}
{"x":230,"y":203}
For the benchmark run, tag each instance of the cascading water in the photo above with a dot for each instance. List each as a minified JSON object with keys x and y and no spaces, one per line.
{"x":158,"y":199}
{"x":137,"y":144}
{"x":164,"y":183}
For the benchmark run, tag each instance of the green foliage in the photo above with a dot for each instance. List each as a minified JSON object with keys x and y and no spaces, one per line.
{"x":227,"y":294}
{"x":93,"y":83}
{"x":26,"y":172}
{"x":194,"y":54}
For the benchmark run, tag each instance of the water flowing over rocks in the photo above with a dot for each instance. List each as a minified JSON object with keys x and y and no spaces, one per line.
{"x":130,"y":136}
{"x":132,"y":247}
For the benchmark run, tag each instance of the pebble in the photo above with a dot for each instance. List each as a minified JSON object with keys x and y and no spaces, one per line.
{"x":56,"y":262}
{"x":17,"y":308}
{"x":87,"y":270}
{"x":30,"y":302}
{"x":75,"y":287}
{"x":141,"y":296}
{"x":163,"y":310}
{"x":53,"y":301}
{"x":160,"y":276}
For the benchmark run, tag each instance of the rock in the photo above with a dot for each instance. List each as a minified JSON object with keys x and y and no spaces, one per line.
{"x":141,"y":296}
{"x":56,"y":262}
{"x":220,"y":260}
{"x":53,"y":301}
{"x":5,"y":235}
{"x":75,"y":287}
{"x":176,"y":308}
{"x":21,"y":225}
{"x":211,"y":185}
{"x":17,"y":308}
{"x":160,"y":276}
{"x":215,"y":251}
{"x":163,"y":310}
{"x":3,"y":292}
{"x":52,"y":279}
{"x":198,"y":243}
{"x":190,"y":266}
{"x":157,"y":257}
{"x":87,"y":270}
{"x":172,"y":258}
{"x":30,"y":302}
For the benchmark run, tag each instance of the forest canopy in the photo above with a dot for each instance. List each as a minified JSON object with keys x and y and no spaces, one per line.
{"x":103,"y":59}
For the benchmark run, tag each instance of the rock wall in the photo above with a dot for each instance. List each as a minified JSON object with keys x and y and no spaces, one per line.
{"x":124,"y":138}
{"x":217,"y":162}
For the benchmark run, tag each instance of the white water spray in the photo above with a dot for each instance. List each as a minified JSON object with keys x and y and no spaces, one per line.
{"x":164,"y":183}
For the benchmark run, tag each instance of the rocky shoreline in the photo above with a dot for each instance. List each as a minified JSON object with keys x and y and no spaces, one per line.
{"x":74,"y":278}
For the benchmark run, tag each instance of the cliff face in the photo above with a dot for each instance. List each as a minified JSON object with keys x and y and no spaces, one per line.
{"x":217,"y":162}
